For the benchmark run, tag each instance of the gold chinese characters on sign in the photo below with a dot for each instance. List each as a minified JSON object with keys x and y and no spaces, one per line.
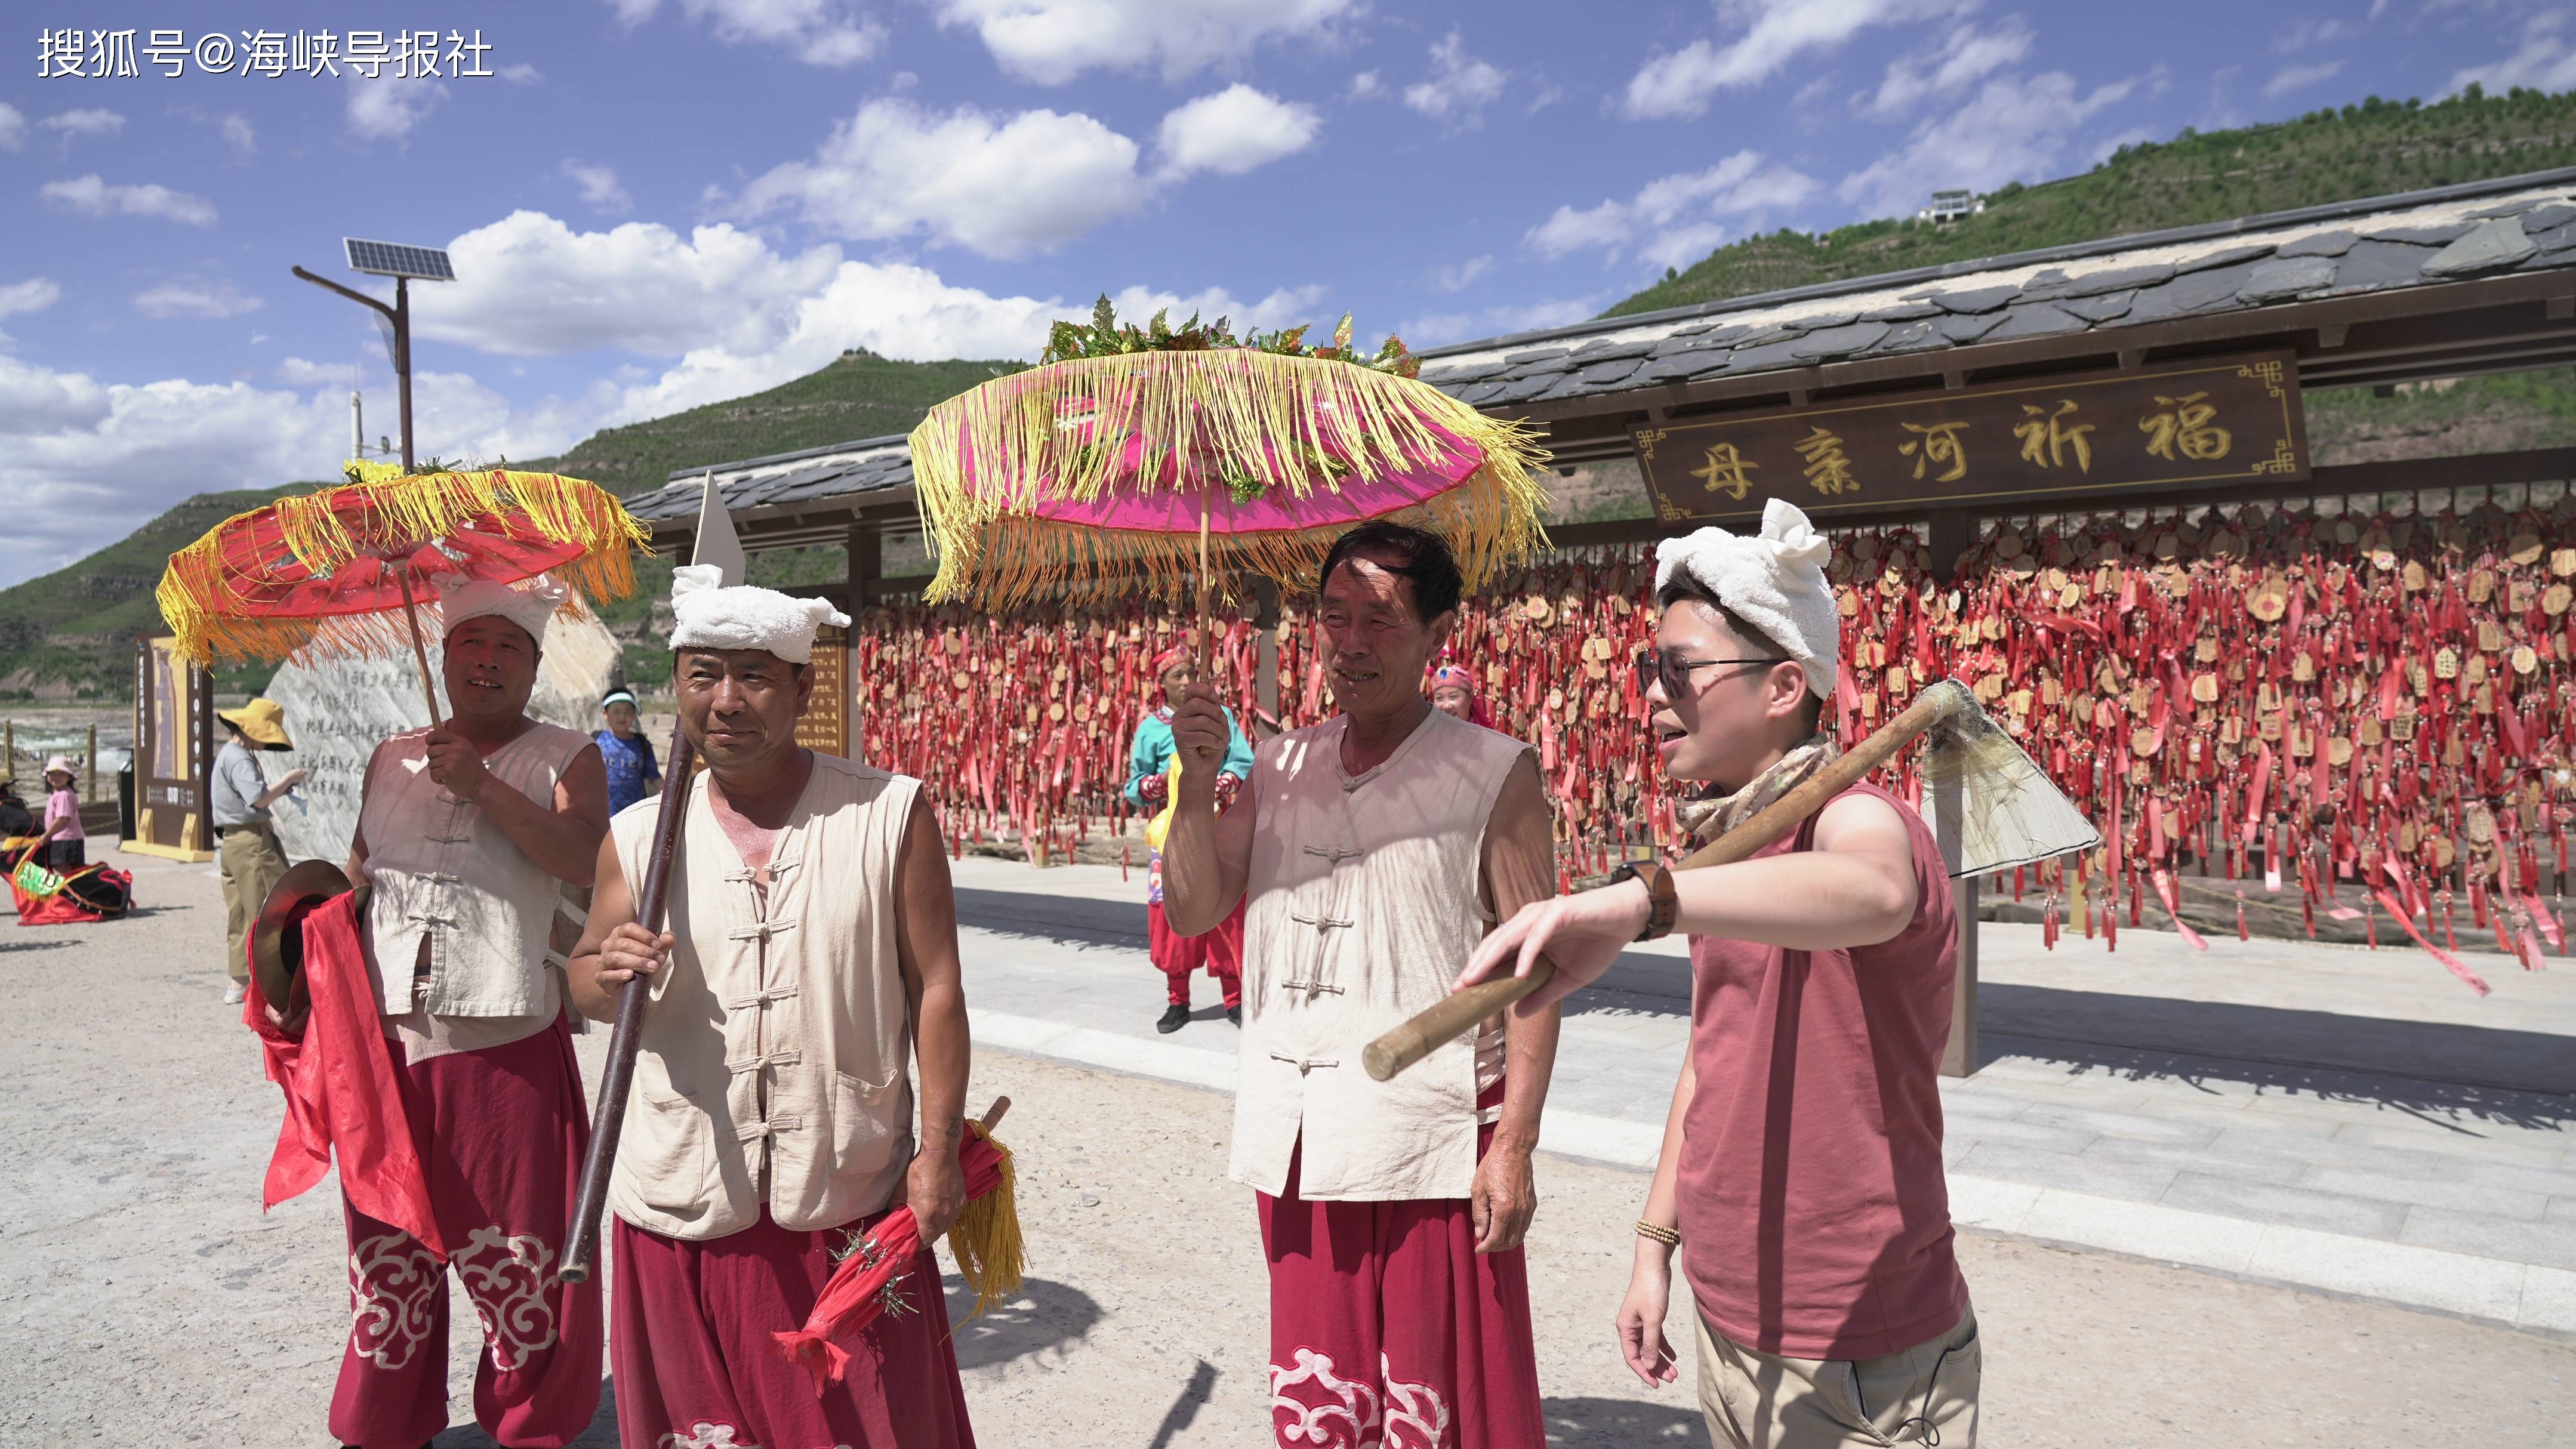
{"x":2160,"y":426}
{"x":826,"y":725}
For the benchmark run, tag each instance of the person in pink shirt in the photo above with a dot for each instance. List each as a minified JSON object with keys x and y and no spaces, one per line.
{"x":1801,"y":1171}
{"x":66,"y":843}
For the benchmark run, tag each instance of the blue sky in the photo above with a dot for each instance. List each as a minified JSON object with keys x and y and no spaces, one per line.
{"x":660,"y":203}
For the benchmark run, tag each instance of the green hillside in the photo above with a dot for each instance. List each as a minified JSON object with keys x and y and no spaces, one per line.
{"x":71,"y":633}
{"x":2376,"y":148}
{"x":859,"y":395}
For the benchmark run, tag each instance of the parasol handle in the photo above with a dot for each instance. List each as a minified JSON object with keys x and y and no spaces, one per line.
{"x":419,"y":650}
{"x":581,"y":1239}
{"x":1206,"y":654}
{"x":1453,"y":1015}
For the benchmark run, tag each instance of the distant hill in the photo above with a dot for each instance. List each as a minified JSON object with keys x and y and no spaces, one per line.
{"x":859,"y":395}
{"x":2376,"y":148}
{"x":70,"y":634}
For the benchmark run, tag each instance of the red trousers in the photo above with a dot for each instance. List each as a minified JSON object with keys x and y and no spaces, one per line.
{"x":1220,"y":951}
{"x":501,"y":1133}
{"x":695,"y":1369}
{"x":1386,"y":1328}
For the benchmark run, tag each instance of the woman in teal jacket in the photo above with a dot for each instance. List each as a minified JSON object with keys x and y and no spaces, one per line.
{"x":1149,"y":765}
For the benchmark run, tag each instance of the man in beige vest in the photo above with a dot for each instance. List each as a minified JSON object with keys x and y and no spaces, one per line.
{"x":810,"y":960}
{"x":1375,"y":849}
{"x":471,"y":833}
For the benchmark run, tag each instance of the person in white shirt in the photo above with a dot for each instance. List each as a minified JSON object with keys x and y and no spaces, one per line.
{"x":247,"y":853}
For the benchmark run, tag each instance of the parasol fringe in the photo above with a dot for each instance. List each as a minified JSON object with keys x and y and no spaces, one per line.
{"x":1289,"y":418}
{"x":986,"y":1236}
{"x":195,"y":596}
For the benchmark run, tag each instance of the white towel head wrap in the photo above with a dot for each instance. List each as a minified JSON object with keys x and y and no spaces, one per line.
{"x":529,"y":604}
{"x":1773,"y":581}
{"x":707,"y":615}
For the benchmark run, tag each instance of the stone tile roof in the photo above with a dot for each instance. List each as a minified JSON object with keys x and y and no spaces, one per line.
{"x":2480,"y":229}
{"x":2321,"y":252}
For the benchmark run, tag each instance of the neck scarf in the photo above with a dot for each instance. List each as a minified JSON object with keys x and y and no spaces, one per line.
{"x":1709,"y":816}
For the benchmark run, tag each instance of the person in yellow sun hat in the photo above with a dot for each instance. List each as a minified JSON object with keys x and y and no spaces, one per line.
{"x":247,"y":854}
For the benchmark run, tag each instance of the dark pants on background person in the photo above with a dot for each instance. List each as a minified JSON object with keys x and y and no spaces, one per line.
{"x":251,"y":863}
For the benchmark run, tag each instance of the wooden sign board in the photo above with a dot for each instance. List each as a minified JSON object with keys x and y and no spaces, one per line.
{"x":2168,"y":425}
{"x":174,"y":725}
{"x":825,"y":728}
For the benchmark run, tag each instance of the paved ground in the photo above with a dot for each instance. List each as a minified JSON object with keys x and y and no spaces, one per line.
{"x":144,"y":1299}
{"x":2336,"y":1118}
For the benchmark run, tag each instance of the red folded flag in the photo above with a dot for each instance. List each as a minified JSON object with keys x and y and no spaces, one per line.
{"x":986,"y":1240}
{"x":341,"y":1094}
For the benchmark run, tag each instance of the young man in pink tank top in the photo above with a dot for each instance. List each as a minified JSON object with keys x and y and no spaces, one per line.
{"x":1801,"y":1168}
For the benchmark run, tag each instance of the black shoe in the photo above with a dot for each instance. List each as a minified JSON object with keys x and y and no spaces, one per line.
{"x":1234,"y":1014}
{"x":1175,"y":1017}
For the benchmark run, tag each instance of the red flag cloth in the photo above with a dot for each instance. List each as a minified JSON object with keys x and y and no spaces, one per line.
{"x":2173,"y":907}
{"x":875,"y":1263}
{"x":2451,"y":963}
{"x":341,"y":1095}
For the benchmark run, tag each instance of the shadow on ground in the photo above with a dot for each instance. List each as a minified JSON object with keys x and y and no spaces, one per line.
{"x":1042,"y":1315}
{"x":1067,"y":920}
{"x":1609,"y":1422}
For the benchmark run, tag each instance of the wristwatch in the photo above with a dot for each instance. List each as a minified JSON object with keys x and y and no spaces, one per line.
{"x":1663,"y":904}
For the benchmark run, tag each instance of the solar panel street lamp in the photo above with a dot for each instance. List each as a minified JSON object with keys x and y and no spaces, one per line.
{"x":402,"y":263}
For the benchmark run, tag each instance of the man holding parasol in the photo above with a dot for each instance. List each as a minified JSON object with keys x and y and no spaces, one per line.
{"x":1373,"y":849}
{"x":1801,"y":1167}
{"x":810,"y":962}
{"x":470,"y":834}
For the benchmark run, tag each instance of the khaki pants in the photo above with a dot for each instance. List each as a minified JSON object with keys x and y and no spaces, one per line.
{"x":251,"y":863}
{"x":1924,"y":1395}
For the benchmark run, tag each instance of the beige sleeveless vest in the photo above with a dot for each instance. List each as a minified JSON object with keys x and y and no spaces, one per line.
{"x":443,"y":871}
{"x":1365,"y":902}
{"x":777,"y":1039}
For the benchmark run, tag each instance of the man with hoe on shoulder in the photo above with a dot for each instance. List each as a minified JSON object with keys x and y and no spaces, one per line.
{"x":810,"y":962}
{"x":1801,"y":1167}
{"x":472,"y":832}
{"x":1373,"y":848}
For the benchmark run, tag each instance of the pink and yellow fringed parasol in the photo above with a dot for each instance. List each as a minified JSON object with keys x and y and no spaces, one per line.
{"x":1129,"y":455}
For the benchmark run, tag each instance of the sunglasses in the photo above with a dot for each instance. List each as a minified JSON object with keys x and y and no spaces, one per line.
{"x":1667,"y":667}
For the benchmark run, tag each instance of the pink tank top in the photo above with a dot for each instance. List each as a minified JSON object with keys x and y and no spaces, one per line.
{"x":1815,"y":1219}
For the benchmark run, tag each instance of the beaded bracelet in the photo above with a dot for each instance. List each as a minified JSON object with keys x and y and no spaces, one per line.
{"x":1665,"y":1236}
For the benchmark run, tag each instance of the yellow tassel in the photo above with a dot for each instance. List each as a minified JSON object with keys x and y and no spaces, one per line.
{"x":986,"y":1236}
{"x":1271,"y":417}
{"x":200,"y":588}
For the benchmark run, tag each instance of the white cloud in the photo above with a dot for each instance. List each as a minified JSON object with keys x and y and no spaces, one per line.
{"x":1235,"y":130}
{"x":87,"y":121}
{"x":1459,"y":86}
{"x":529,"y":285}
{"x":1672,"y":220}
{"x":2543,"y":61}
{"x":1363,"y":86}
{"x":13,"y":127}
{"x":32,"y":295}
{"x":817,"y":32}
{"x":387,"y":109}
{"x":91,"y":196}
{"x":522,"y":74}
{"x":2296,"y":77}
{"x":195,"y":298}
{"x":1053,"y":41}
{"x":236,"y":130}
{"x":2305,"y":33}
{"x":1967,"y":56}
{"x":1432,"y":329}
{"x":1456,"y":277}
{"x":311,"y":374}
{"x":600,"y":190}
{"x":2017,"y":128}
{"x":1775,"y":33}
{"x":1004,"y":188}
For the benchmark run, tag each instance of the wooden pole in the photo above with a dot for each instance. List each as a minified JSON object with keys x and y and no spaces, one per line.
{"x":1453,"y":1015}
{"x":419,"y":651}
{"x":89,"y":762}
{"x":581,"y":1239}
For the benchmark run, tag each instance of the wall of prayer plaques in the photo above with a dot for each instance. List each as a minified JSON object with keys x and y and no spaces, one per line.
{"x":2289,"y":699}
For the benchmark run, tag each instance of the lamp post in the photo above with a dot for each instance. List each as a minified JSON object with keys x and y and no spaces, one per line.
{"x":402,"y":263}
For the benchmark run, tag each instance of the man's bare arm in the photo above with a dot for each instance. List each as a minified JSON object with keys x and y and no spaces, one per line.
{"x":1207,"y":857}
{"x":1519,"y":867}
{"x":563,"y":835}
{"x":611,"y":905}
{"x":935,"y":993}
